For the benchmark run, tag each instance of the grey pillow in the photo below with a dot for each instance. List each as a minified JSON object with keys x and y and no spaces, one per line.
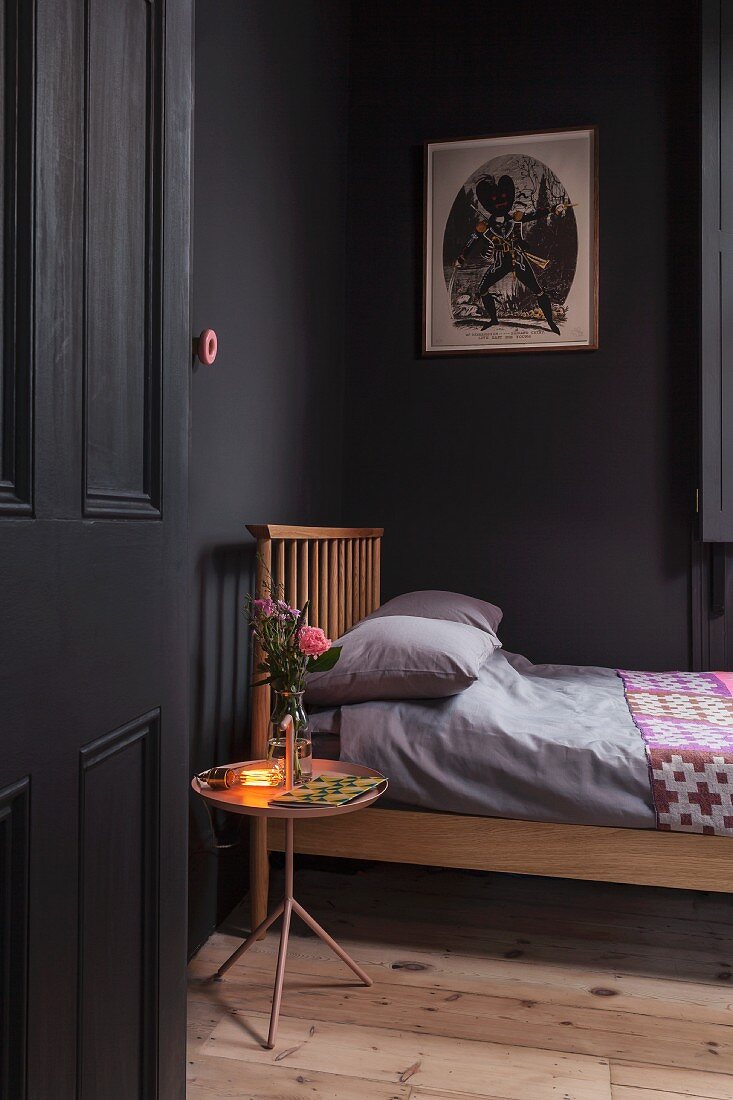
{"x":449,"y":606}
{"x":402,"y":657}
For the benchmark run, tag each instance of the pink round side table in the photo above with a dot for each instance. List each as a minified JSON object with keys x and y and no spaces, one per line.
{"x":254,"y":801}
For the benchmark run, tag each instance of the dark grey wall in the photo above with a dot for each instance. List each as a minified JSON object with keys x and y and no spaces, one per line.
{"x":559,"y":486}
{"x":269,"y":210}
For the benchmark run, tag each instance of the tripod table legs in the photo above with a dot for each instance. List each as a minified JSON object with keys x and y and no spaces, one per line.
{"x":259,"y":931}
{"x":335,"y":947}
{"x":285,"y":909}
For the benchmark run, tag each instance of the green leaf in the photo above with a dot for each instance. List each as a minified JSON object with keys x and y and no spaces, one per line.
{"x":326,"y":661}
{"x":261,"y":683}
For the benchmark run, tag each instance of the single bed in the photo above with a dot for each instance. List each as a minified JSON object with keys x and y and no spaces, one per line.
{"x":504,"y":810}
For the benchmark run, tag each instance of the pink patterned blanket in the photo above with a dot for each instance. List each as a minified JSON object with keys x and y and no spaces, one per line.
{"x":686,"y":720}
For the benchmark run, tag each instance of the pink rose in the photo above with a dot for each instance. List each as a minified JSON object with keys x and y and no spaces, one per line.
{"x":312,"y":641}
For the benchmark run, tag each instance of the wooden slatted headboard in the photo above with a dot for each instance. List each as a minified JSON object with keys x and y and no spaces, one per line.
{"x":338,"y":569}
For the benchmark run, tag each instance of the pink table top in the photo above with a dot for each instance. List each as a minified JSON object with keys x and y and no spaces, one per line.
{"x":255,"y":800}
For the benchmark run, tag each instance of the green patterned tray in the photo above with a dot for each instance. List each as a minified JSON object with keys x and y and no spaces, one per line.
{"x":328,"y":790}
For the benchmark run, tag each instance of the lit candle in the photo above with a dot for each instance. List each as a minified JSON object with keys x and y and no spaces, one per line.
{"x":287,"y":727}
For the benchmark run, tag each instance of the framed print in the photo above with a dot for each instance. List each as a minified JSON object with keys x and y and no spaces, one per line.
{"x":511,"y":244}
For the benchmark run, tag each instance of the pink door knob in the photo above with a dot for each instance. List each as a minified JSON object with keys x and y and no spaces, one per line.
{"x":205,"y":346}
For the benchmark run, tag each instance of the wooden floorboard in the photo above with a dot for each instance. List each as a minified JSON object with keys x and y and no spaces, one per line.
{"x":499,"y":987}
{"x":670,"y":1082}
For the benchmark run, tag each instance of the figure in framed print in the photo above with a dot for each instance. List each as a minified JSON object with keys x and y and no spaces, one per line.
{"x":511,"y":244}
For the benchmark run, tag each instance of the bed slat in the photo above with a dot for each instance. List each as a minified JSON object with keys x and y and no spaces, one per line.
{"x":291,"y":585}
{"x":362,"y":578}
{"x":333,"y":589}
{"x":341,"y":606}
{"x":325,"y":586}
{"x":279,"y":566}
{"x":302,"y":549}
{"x":348,"y":594}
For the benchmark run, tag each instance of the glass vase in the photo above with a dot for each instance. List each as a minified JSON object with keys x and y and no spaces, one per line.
{"x":291,"y":702}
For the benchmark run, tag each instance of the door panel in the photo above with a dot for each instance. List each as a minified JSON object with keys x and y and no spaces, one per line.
{"x":93,"y":661}
{"x":716,"y":377}
{"x":118,"y":873}
{"x":122,"y":349}
{"x":16,"y":131}
{"x":13,"y":936}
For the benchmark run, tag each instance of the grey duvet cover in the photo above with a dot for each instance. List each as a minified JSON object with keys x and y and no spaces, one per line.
{"x":540,"y":742}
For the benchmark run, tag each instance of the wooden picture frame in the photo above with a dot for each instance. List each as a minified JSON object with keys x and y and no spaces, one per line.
{"x":510,"y":243}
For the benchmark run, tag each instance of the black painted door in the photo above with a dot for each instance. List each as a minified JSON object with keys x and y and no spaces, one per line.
{"x":93,"y":470}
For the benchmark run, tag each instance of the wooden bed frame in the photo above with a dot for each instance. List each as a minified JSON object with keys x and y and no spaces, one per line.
{"x":338,"y":569}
